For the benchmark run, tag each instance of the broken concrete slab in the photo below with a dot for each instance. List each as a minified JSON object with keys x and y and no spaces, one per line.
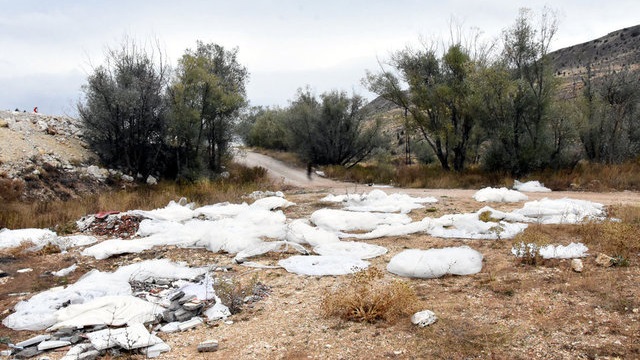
{"x":52,"y":344}
{"x":33,"y":341}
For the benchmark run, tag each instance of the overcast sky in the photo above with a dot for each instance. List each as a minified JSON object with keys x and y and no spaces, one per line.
{"x":47,"y":48}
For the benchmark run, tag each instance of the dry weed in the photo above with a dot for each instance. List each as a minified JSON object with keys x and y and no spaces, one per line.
{"x":366,"y":298}
{"x":529,"y":243}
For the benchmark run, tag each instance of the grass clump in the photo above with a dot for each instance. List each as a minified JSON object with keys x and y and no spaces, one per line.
{"x":618,"y":239}
{"x":235,"y":293}
{"x":367,"y":298}
{"x":528,"y":244}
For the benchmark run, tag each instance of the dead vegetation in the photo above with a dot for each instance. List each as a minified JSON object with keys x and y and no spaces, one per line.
{"x":366,"y":297}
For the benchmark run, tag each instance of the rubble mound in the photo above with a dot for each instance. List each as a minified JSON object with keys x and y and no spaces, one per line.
{"x":44,"y":157}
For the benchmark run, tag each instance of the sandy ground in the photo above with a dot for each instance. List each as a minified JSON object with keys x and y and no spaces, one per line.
{"x":507,"y":311}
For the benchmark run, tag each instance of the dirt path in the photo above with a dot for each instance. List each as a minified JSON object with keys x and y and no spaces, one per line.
{"x":297,"y":177}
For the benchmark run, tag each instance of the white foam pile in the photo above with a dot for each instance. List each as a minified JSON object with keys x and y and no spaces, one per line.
{"x":434,"y":263}
{"x":342,"y":220}
{"x":530,"y":186}
{"x":228,"y":227}
{"x":571,"y":251}
{"x":503,"y":194}
{"x":466,"y":226}
{"x":501,"y":225}
{"x":40,"y":311}
{"x":561,"y":211}
{"x":15,"y":238}
{"x":379,"y":201}
{"x":323,"y":265}
{"x":40,"y":238}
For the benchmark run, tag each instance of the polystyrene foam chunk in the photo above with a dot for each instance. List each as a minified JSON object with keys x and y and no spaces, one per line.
{"x":323,"y":265}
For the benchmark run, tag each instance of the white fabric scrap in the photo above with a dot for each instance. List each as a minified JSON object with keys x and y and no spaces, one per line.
{"x":109,"y":310}
{"x":323,"y":265}
{"x":561,"y":211}
{"x":358,"y":250}
{"x":301,"y":232}
{"x":530,"y":186}
{"x":379,"y":201}
{"x":131,"y":337}
{"x":503,"y":194}
{"x":571,"y":251}
{"x":265,"y":247}
{"x":434,"y":263}
{"x":341,"y":220}
{"x":14,"y":238}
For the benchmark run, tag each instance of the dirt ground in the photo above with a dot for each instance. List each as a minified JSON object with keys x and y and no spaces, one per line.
{"x":507,"y":311}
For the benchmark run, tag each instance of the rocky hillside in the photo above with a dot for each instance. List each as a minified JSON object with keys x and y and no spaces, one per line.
{"x":44,"y":157}
{"x":612,"y":52}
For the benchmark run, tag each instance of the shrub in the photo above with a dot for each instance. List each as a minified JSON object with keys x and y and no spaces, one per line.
{"x":366,"y":298}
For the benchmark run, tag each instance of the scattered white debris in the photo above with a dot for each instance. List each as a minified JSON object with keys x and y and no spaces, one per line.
{"x":14,"y":238}
{"x":530,"y":186}
{"x":25,"y":270}
{"x":37,"y":313}
{"x":350,"y":248}
{"x":109,"y":310}
{"x":131,"y":337}
{"x":561,"y":211}
{"x":323,"y":265}
{"x":571,"y":251}
{"x":503,"y":194}
{"x":274,"y":246}
{"x":271,"y":203}
{"x":66,"y":271}
{"x":434,"y":263}
{"x":379,"y":201}
{"x":301,"y":232}
{"x":424,"y":318}
{"x":336,"y":220}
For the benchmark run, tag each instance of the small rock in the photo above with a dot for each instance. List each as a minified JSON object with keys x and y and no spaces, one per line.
{"x":208,"y":346}
{"x":190,"y":324}
{"x":52,"y":344}
{"x":576,"y":265}
{"x":604,"y":260}
{"x":176,"y":295}
{"x":424,"y":318}
{"x":3,"y":273}
{"x":168,"y":316}
{"x":33,"y":341}
{"x":183,"y":315}
{"x":151,"y":180}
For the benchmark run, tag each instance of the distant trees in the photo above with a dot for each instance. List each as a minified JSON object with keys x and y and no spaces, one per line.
{"x":124,"y":112}
{"x":331,"y":129}
{"x":609,"y":122}
{"x":440,"y":97}
{"x":139,"y":121}
{"x":325,"y":130}
{"x":206,"y":97}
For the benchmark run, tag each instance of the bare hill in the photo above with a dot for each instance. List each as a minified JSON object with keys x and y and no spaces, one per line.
{"x":612,"y":52}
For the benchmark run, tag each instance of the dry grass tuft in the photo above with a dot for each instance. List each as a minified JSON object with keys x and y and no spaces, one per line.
{"x":529,"y":242}
{"x":366,"y":298}
{"x":61,"y":214}
{"x":618,"y":239}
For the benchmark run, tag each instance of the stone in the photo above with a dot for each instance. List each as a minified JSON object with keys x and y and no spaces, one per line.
{"x":183,"y":315}
{"x":3,"y":273}
{"x":151,"y":180}
{"x":176,"y":296}
{"x":576,"y":265}
{"x":52,"y":344}
{"x":208,"y":346}
{"x":28,"y":353}
{"x":604,"y":260}
{"x":186,"y":325}
{"x":424,"y":318}
{"x":155,"y":350}
{"x":186,"y":299}
{"x":168,"y":316}
{"x":33,"y":341}
{"x":193,"y":306}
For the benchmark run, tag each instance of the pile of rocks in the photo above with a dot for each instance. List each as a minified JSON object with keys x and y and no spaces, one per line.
{"x":183,"y":312}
